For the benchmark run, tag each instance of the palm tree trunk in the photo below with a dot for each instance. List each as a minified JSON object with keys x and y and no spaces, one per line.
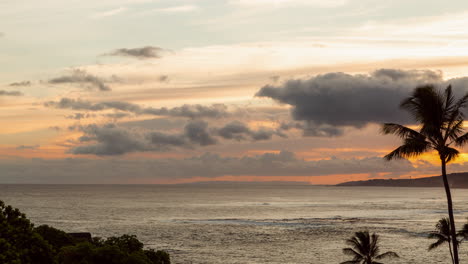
{"x":450,"y":249}
{"x":450,"y":212}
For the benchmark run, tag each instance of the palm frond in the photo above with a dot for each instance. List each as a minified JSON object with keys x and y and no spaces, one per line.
{"x":425,"y":105}
{"x":389,"y":254}
{"x":411,"y":148}
{"x":461,"y":140}
{"x":436,"y":244}
{"x":448,"y":153}
{"x":399,"y":130}
{"x":351,"y":252}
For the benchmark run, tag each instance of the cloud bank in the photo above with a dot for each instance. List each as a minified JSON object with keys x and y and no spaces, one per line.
{"x":209,"y":165}
{"x":189,"y":111}
{"x":110,"y":139}
{"x":331,"y":101}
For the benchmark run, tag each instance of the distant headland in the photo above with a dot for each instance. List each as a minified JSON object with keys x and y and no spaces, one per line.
{"x":456,"y":180}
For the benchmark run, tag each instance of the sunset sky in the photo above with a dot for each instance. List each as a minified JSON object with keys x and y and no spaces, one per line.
{"x":175,"y":91}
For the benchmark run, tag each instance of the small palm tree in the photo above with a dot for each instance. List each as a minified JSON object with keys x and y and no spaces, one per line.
{"x":463,"y":233}
{"x":442,"y":234}
{"x":441,"y":119}
{"x":365,"y":249}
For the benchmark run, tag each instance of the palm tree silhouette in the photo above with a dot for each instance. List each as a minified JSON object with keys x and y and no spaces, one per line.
{"x":365,"y":249}
{"x":442,"y":234}
{"x":441,"y":126}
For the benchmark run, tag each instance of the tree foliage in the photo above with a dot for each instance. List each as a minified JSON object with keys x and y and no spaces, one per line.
{"x":365,"y":249}
{"x":21,"y":243}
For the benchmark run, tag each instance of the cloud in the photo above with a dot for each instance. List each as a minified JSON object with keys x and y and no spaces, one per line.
{"x":27,"y":147}
{"x":114,"y":140}
{"x":10,"y":93}
{"x":332,"y":101}
{"x":110,"y":139}
{"x":197,"y":131}
{"x":79,"y":116}
{"x":140,"y":53}
{"x":207,"y":165}
{"x":23,"y":83}
{"x":189,"y":111}
{"x":81,"y":77}
{"x":239,"y":131}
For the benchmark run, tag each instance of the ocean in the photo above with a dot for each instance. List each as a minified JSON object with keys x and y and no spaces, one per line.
{"x":247,"y":223}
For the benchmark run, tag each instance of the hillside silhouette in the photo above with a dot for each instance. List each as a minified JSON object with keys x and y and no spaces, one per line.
{"x":456,"y":180}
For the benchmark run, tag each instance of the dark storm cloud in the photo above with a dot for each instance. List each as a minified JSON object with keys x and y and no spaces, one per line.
{"x":189,"y":111}
{"x":209,"y":165}
{"x":10,"y":93}
{"x":82,"y":77}
{"x":111,"y":139}
{"x":332,"y":101}
{"x":140,"y":53}
{"x":23,"y":83}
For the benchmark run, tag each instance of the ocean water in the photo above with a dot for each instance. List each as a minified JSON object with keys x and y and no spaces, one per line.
{"x":240,"y":223}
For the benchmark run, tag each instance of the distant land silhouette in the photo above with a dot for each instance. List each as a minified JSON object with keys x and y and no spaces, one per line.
{"x":456,"y":180}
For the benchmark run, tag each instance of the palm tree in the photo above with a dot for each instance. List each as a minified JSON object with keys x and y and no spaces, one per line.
{"x":365,"y":249}
{"x":441,"y":126}
{"x":442,"y":234}
{"x":463,"y":233}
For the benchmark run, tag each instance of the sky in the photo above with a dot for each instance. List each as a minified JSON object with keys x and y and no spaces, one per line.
{"x":181,"y":91}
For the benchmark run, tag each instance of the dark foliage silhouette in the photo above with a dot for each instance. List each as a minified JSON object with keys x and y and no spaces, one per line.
{"x":440,"y":119}
{"x":365,"y":249}
{"x":442,"y":236}
{"x":21,"y":243}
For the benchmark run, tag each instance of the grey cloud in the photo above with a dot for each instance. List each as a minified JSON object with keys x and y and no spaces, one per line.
{"x":189,"y":111}
{"x":332,"y":101}
{"x":140,"y":53}
{"x":197,"y":131}
{"x":114,"y":140}
{"x":27,"y":147}
{"x":163,"y":78}
{"x":111,"y":139}
{"x":82,"y":77}
{"x":239,"y":131}
{"x":284,"y":164}
{"x":311,"y":129}
{"x":117,"y":115}
{"x":23,"y":83}
{"x":79,"y":116}
{"x":10,"y":93}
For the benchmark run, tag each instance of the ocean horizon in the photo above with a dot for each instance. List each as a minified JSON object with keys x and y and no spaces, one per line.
{"x":242,"y":223}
